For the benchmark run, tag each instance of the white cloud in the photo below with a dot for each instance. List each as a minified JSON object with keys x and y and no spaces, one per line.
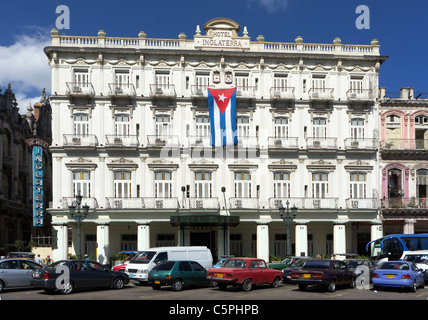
{"x":271,"y":5}
{"x":25,"y":66}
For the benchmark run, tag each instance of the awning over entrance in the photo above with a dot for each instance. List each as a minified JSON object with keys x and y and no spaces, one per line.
{"x":204,"y":221}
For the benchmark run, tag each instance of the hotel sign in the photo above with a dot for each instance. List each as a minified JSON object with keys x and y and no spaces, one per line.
{"x":222,"y":39}
{"x":38,"y":208}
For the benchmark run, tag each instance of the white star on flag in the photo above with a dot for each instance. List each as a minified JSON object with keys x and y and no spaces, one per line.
{"x":221,"y":97}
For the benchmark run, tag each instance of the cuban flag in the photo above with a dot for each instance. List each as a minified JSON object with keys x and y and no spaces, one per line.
{"x":222,"y":110}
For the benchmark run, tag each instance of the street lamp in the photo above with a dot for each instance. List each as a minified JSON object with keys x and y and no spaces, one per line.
{"x":79,"y":218}
{"x":287,"y":218}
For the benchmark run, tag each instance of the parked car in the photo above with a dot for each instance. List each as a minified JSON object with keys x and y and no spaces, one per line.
{"x":294,"y":266}
{"x":17,"y":273}
{"x":419,"y":258}
{"x":399,"y":274}
{"x":353,"y":264}
{"x":22,"y":255}
{"x":221,"y":261}
{"x":280,"y":265}
{"x":324,"y":273}
{"x":244,"y":272}
{"x":83,"y":274}
{"x":124,"y":255}
{"x":178,"y":274}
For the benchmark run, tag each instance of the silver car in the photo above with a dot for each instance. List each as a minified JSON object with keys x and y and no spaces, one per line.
{"x":16,"y":273}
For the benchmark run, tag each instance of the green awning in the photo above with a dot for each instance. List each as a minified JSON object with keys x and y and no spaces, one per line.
{"x":204,"y":221}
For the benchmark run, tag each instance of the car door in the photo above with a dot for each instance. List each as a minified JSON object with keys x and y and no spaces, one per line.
{"x":100,"y":275}
{"x":265,"y":272}
{"x":254,"y":271}
{"x":9,"y":272}
{"x":185,"y":272}
{"x":338,"y":271}
{"x":26,"y":269}
{"x":80,"y":275}
{"x":199,"y":273}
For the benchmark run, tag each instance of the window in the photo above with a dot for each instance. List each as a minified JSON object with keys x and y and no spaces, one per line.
{"x":81,"y":124}
{"x":163,"y":184}
{"x":357,"y":129}
{"x":203,"y":184}
{"x":281,"y":185}
{"x":163,"y":125}
{"x":319,"y":185}
{"x":196,"y":266}
{"x":281,"y":127}
{"x":242,"y":185}
{"x":82,"y":183}
{"x":242,"y":81}
{"x":122,"y":184}
{"x":162,"y":79}
{"x":356,"y":84}
{"x":318,"y":83}
{"x":202,"y":80}
{"x":243,"y":126}
{"x":357,"y":187}
{"x":202,"y":126}
{"x":81,"y":78}
{"x":280,"y":82}
{"x":122,"y":78}
{"x":235,"y":246}
{"x":184,"y":266}
{"x":320,"y":127}
{"x":121,"y":124}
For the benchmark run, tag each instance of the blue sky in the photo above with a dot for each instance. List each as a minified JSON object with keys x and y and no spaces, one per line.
{"x":400,"y":26}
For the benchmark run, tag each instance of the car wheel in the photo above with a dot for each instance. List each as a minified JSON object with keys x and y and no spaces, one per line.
{"x":247,"y":285}
{"x":414,"y":287}
{"x":302,"y":287}
{"x":177,"y":285}
{"x":331,"y":286}
{"x":1,"y":286}
{"x":275,"y":282}
{"x":353,"y":283}
{"x":118,"y":283}
{"x":67,"y":288}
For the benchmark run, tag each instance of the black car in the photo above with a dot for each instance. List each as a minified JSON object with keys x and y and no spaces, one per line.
{"x":353,"y":264}
{"x":66,"y":276}
{"x":294,"y":266}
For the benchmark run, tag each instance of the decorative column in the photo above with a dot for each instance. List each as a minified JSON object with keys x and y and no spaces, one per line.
{"x":409,"y":226}
{"x":301,"y":239}
{"x":143,"y":237}
{"x":263,"y":241}
{"x":103,"y":242}
{"x":339,"y":239}
{"x":61,"y":253}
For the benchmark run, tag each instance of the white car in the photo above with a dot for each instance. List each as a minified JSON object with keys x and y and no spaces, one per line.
{"x":419,"y":258}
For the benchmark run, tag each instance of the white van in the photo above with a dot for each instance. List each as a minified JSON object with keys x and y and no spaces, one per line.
{"x":144,"y":261}
{"x":419,"y":258}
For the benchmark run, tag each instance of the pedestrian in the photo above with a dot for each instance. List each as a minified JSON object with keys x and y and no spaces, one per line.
{"x":333,"y":257}
{"x":38,"y":259}
{"x":86,"y":257}
{"x":48,"y":260}
{"x":319,"y":256}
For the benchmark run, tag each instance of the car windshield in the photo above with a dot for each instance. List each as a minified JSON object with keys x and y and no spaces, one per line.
{"x":57,"y":264}
{"x":353,"y":263}
{"x":395,"y":266}
{"x":298,"y":263}
{"x":143,"y":257}
{"x":317,"y":265}
{"x":164,"y":266}
{"x":234,"y":263}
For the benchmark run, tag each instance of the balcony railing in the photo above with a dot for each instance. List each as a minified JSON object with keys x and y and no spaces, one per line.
{"x":142,"y":203}
{"x":282,"y":93}
{"x":321,"y":143}
{"x":203,"y":203}
{"x":199,"y":141}
{"x":321,"y":94}
{"x":130,"y":141}
{"x":360,"y":94}
{"x":305,"y":203}
{"x":122,"y":90}
{"x":404,"y":144}
{"x":154,"y":141}
{"x":245,"y":92}
{"x":249,"y":142}
{"x":244,"y":203}
{"x":362,"y":203}
{"x":68,"y":201}
{"x":80,"y":89}
{"x":80,"y":140}
{"x":199,"y":91}
{"x":282,"y":143}
{"x":405,"y":203}
{"x":360,"y":143}
{"x":162,"y":90}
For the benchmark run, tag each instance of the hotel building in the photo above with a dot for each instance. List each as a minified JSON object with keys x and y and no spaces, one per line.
{"x":131,"y":128}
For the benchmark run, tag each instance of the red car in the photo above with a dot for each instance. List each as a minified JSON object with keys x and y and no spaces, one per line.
{"x":244,"y":272}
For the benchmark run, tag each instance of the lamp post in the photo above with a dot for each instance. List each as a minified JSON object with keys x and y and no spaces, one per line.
{"x":79,"y":218}
{"x":287,"y":218}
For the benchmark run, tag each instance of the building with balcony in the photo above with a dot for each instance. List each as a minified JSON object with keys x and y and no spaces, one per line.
{"x":404,"y":160}
{"x":307,"y":119}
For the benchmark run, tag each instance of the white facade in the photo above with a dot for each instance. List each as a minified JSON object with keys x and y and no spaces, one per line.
{"x":130,"y":119}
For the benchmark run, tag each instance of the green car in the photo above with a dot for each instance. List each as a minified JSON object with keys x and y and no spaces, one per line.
{"x":178,"y":274}
{"x":280,"y":265}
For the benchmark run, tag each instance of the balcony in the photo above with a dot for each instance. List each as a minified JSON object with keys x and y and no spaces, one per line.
{"x":142,"y":203}
{"x":404,"y":144}
{"x":321,"y":94}
{"x":360,"y":95}
{"x":199,"y":91}
{"x":320,"y":143}
{"x":283,"y":143}
{"x":249,"y":142}
{"x":80,"y":89}
{"x":244,"y":203}
{"x":122,"y":141}
{"x":360,"y":144}
{"x":305,"y":203}
{"x":162,"y":90}
{"x":203,"y":203}
{"x":362,"y":203}
{"x":169,"y":141}
{"x":245,"y":92}
{"x":200,"y":141}
{"x":119,"y":90}
{"x":68,"y":201}
{"x":80,"y":140}
{"x":281,"y":93}
{"x":405,"y":203}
